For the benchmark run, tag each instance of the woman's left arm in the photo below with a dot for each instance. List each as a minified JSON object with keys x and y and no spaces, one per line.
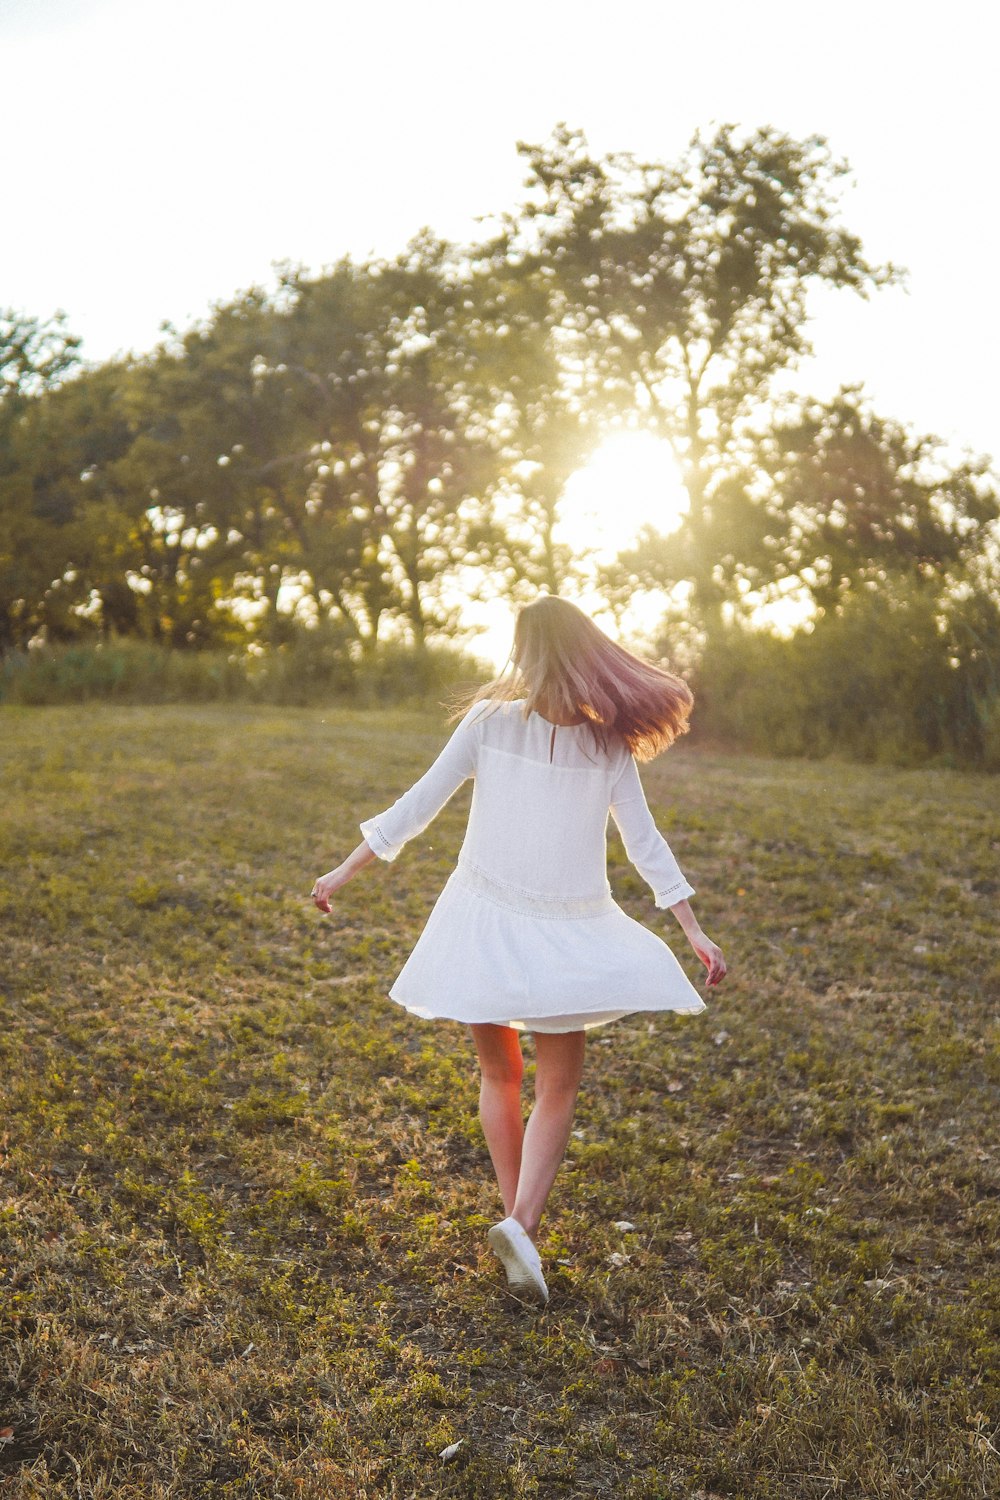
{"x":327,"y":884}
{"x":410,"y":814}
{"x":415,"y":809}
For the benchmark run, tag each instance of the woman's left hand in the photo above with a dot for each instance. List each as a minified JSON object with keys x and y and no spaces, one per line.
{"x":345,"y":871}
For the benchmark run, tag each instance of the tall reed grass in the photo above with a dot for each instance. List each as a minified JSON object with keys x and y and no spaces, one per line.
{"x":856,"y":688}
{"x":312,"y":668}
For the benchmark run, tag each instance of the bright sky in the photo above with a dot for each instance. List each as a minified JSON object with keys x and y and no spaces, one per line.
{"x":162,"y":156}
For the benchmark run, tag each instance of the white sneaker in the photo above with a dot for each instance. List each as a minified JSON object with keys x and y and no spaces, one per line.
{"x":513,"y":1244}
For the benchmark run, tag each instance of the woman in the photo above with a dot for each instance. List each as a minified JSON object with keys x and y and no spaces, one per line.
{"x":526,"y":934}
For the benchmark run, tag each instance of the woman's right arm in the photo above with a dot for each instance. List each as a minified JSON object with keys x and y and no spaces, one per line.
{"x":710,"y":953}
{"x":652,"y":856}
{"x":645,"y":845}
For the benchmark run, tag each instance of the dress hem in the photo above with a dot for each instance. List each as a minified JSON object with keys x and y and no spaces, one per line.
{"x":651,"y":1010}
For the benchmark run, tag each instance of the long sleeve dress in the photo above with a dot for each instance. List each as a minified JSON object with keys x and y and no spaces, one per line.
{"x":526,"y":932}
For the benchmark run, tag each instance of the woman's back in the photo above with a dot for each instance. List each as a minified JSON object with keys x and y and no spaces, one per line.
{"x":540,"y":804}
{"x":537,"y":826}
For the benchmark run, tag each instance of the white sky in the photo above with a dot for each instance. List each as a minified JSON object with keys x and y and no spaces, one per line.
{"x":159,"y":157}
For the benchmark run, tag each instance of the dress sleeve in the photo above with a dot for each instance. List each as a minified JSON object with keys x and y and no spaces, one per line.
{"x":645,"y":845}
{"x":410,"y":814}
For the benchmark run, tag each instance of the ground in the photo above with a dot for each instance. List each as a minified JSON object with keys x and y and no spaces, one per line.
{"x":244,"y":1196}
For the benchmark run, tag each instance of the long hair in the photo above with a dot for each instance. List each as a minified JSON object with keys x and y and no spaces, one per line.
{"x":564,"y":664}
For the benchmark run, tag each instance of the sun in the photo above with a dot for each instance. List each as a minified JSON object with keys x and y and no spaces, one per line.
{"x":631,"y":481}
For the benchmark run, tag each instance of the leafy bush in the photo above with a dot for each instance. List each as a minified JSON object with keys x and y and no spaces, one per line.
{"x":884,"y":680}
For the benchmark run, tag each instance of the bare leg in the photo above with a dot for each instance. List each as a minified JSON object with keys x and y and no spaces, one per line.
{"x":502,"y":1065}
{"x":558,"y":1070}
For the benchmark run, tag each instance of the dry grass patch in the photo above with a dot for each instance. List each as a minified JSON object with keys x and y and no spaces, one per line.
{"x":244,"y":1197}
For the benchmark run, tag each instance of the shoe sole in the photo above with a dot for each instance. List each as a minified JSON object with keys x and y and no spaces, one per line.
{"x":521,"y":1277}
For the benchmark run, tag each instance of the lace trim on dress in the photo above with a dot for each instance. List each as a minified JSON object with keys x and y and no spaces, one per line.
{"x":679,"y":891}
{"x":530,"y":903}
{"x":370,"y":829}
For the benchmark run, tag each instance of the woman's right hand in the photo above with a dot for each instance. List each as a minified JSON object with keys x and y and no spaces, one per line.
{"x":711,"y":956}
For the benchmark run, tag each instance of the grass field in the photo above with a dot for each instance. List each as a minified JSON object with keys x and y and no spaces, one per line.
{"x":244,"y":1196}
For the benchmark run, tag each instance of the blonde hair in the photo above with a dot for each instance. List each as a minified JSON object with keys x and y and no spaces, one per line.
{"x":563,"y":662}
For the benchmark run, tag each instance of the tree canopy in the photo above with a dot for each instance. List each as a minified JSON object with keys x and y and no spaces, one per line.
{"x":369,"y":447}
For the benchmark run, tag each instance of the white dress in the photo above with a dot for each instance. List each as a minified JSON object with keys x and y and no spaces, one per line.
{"x":526,"y":932}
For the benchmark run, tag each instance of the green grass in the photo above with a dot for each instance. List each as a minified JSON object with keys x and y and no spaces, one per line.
{"x":244,"y":1196}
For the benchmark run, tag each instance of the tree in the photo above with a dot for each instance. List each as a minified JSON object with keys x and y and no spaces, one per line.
{"x":895,"y":548}
{"x":848,"y":499}
{"x":211,"y":445}
{"x":35,"y":357}
{"x":391,"y":505}
{"x":683,"y":288}
{"x":539,"y":417}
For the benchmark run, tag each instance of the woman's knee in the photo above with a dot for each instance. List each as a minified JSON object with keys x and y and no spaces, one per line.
{"x":504,"y":1074}
{"x":558,"y":1064}
{"x":500,"y":1058}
